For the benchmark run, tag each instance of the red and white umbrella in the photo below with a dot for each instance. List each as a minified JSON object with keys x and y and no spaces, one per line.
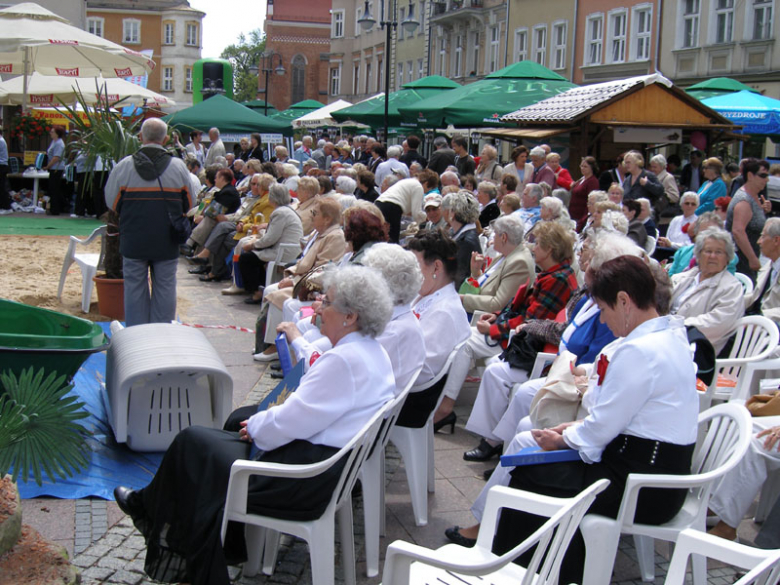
{"x":33,"y":39}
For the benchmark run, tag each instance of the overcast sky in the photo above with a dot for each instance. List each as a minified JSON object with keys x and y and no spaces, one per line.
{"x":225,"y":20}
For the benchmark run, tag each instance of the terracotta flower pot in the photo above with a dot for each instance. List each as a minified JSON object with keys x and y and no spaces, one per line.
{"x":111,"y":297}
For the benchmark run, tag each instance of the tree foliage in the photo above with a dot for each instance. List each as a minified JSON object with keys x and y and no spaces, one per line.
{"x":243,"y":55}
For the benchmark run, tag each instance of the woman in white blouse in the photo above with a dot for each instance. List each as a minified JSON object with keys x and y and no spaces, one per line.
{"x":676,"y":238}
{"x":180,"y":511}
{"x":442,"y":317}
{"x":643,"y":418}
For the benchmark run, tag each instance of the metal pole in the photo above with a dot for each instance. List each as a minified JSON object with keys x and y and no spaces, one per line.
{"x":266,"y":71}
{"x":387,"y":79}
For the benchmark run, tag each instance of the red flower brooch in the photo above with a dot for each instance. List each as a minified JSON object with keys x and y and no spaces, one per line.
{"x":601,"y":368}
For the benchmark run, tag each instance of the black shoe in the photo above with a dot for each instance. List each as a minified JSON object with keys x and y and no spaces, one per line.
{"x":275,"y":367}
{"x":487,"y":473}
{"x":450,"y":419}
{"x":277,"y":375}
{"x":198,"y":260}
{"x":199,"y":270}
{"x":129,"y":501}
{"x":454,"y":535}
{"x":253,"y":301}
{"x":483,"y":451}
{"x":185,"y":250}
{"x":211,"y":277}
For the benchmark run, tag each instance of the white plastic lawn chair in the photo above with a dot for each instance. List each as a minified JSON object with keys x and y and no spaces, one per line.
{"x":272,"y":272}
{"x":262,"y":532}
{"x":756,"y":340}
{"x":372,"y":481}
{"x":416,"y":448}
{"x":763,"y":565}
{"x":723,"y":445}
{"x":452,"y":564}
{"x":89,"y":264}
{"x":744,"y":280}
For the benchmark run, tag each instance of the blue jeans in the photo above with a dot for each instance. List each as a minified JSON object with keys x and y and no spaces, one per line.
{"x":142,"y":307}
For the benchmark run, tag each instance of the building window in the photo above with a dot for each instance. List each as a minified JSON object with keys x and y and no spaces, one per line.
{"x":358,"y":15}
{"x":641,"y":23}
{"x":420,"y":69}
{"x":337,"y":24}
{"x":540,"y":44}
{"x":617,"y":37}
{"x":188,"y":79}
{"x":400,"y":76}
{"x":131,"y":31}
{"x":762,"y":20}
{"x":400,"y":29}
{"x":168,"y":33}
{"x":559,"y":45}
{"x":420,"y":12}
{"x":380,"y":74}
{"x":335,"y":80}
{"x":493,"y":63}
{"x":356,"y":78}
{"x":167,"y":79}
{"x":521,"y":45}
{"x":368,"y":77}
{"x":442,"y":55}
{"x":191,"y":39}
{"x":690,"y":23}
{"x":594,"y":39}
{"x":298,"y":79}
{"x":457,"y":57}
{"x":475,"y":62}
{"x":409,"y":71}
{"x":95,"y":26}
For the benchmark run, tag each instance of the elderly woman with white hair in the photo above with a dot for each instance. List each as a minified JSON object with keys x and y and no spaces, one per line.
{"x":461,"y":212}
{"x":180,"y":512}
{"x":488,"y":168}
{"x":402,"y":338}
{"x":345,"y":191}
{"x":551,"y":209}
{"x":708,"y":296}
{"x":488,"y":206}
{"x":671,"y":192}
{"x":290,"y":174}
{"x":677,"y":234}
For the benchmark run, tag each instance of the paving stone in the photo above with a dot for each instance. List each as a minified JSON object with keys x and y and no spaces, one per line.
{"x":112,"y":563}
{"x":125,"y":553}
{"x":99,"y":573}
{"x":127,"y":578}
{"x":137,"y":566}
{"x":113,"y":540}
{"x":135,"y":542}
{"x":123,"y":530}
{"x":84,"y":561}
{"x":99,"y":550}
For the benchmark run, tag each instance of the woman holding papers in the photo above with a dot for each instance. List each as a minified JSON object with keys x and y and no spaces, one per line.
{"x":180,"y":511}
{"x":643,"y":417}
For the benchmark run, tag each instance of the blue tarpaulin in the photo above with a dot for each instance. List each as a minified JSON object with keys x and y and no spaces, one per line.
{"x":758,"y":114}
{"x":110,"y":464}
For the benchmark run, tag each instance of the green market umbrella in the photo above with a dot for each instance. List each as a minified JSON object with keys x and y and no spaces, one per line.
{"x":297,"y":110}
{"x":229,"y":116}
{"x":372,"y":110}
{"x":259,"y":105}
{"x":484,"y":102}
{"x":717,"y":86}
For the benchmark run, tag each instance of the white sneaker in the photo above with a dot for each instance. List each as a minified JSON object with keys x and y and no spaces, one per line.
{"x":265,"y":357}
{"x":233,"y":290}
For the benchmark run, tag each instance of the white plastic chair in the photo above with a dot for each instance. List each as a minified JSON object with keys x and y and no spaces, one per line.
{"x":409,"y":564}
{"x":272,"y":272}
{"x":262,"y":532}
{"x":745,"y":281}
{"x":725,"y":442}
{"x":89,"y":264}
{"x":756,"y":340}
{"x":372,"y":481}
{"x":650,"y":245}
{"x":543,"y":359}
{"x":763,"y":564}
{"x":416,"y":448}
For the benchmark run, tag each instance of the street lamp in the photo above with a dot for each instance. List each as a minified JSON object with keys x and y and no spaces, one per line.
{"x":267,"y":67}
{"x":409,"y":24}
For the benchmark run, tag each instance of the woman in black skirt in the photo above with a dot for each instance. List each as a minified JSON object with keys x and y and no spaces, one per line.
{"x":180,"y":512}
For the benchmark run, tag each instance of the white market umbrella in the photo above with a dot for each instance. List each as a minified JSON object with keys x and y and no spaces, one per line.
{"x":35,"y":39}
{"x":43,"y":90}
{"x":322,"y":117}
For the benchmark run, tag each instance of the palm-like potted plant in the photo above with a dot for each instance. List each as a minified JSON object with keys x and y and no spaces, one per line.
{"x":103,"y":134}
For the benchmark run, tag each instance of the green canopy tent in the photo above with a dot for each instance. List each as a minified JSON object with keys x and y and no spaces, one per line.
{"x":297,"y":110}
{"x":229,"y":116}
{"x":259,"y":105}
{"x":372,"y":110}
{"x":483,"y":102}
{"x":717,"y":86}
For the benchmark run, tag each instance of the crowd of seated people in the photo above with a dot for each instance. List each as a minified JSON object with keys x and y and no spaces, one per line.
{"x":551,"y":258}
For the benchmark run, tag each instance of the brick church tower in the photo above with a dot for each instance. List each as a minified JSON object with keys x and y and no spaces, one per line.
{"x":299,"y":30}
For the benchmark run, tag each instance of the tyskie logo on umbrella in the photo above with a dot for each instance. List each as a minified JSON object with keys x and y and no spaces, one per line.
{"x":126,"y":72}
{"x":6,"y":68}
{"x":41,"y":99}
{"x":69,"y":72}
{"x":63,"y":42}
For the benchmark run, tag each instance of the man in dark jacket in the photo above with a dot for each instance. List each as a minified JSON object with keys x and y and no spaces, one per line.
{"x":442,"y":157}
{"x":413,"y":142}
{"x":149,"y":190}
